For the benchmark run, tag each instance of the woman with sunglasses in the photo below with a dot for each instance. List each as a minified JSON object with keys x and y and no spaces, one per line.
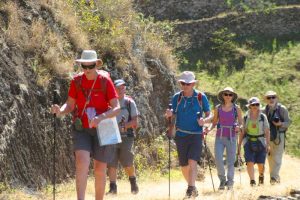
{"x":255,"y":137}
{"x":228,"y":118}
{"x":92,"y":98}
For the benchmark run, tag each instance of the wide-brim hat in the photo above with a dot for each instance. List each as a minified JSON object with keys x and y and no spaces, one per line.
{"x":253,"y":100}
{"x":227,"y":89}
{"x":89,"y":56}
{"x":270,"y":93}
{"x":119,"y":82}
{"x":187,"y":77}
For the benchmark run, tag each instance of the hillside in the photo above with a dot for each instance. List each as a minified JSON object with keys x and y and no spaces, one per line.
{"x":278,"y":71}
{"x":252,"y":46}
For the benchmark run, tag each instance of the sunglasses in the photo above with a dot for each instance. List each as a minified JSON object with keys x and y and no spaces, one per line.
{"x":228,"y":94}
{"x":255,"y":104}
{"x":271,"y":97}
{"x":183,"y":83}
{"x":88,"y":66}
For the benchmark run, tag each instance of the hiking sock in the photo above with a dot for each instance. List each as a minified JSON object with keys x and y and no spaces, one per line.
{"x":261,"y":179}
{"x":112,"y":188}
{"x":134,"y":186}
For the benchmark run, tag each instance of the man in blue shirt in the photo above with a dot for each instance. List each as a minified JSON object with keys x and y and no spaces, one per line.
{"x":189,"y":127}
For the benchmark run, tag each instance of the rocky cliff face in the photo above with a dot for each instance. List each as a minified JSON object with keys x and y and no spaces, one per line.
{"x":27,"y":127}
{"x":26,"y":139}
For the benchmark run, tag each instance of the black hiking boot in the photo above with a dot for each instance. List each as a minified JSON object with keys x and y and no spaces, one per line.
{"x":261,"y":180}
{"x":252,"y":183}
{"x":229,"y":187}
{"x":222,"y":185}
{"x":134,"y":186}
{"x":274,"y":181}
{"x":112,"y":189}
{"x":191,"y":192}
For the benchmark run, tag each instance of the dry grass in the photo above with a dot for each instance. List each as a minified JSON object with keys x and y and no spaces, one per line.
{"x":14,"y":33}
{"x":65,"y":15}
{"x":156,"y":48}
{"x":122,"y":36}
{"x":157,"y":188}
{"x":49,"y":49}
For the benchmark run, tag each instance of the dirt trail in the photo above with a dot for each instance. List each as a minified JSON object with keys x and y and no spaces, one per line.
{"x":290,"y":177}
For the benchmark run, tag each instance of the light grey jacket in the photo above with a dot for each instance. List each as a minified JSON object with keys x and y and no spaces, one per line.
{"x":284,"y":116}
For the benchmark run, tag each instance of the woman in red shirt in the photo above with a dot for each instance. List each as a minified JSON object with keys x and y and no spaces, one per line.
{"x":94,"y":91}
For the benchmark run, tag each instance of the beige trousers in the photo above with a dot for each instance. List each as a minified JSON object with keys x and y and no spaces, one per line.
{"x":275,"y":156}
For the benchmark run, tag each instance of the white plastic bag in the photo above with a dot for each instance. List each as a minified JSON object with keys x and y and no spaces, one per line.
{"x":108,"y":132}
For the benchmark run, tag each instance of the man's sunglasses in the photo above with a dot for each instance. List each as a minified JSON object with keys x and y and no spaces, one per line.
{"x":255,"y":104}
{"x":271,"y":97}
{"x":183,"y":83}
{"x":88,"y":66}
{"x":228,"y":94}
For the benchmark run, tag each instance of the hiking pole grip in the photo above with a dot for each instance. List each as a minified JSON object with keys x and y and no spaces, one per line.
{"x":55,"y":98}
{"x":55,"y":101}
{"x":198,"y":115}
{"x":170,"y":119}
{"x":169,"y":132}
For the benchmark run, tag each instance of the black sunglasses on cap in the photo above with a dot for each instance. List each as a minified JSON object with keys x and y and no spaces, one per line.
{"x":255,"y":104}
{"x":271,"y":97}
{"x":183,"y":83}
{"x":88,"y":66}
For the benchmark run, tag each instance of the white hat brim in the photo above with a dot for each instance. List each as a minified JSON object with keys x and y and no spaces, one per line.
{"x":87,"y":60}
{"x":182,"y":80}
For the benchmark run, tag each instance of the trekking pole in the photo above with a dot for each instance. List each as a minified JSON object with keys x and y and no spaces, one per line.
{"x":206,"y":152}
{"x":55,"y":101}
{"x":169,"y":137}
{"x":240,"y":170}
{"x":239,"y":161}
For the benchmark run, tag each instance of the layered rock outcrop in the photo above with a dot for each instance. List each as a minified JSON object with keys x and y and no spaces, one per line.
{"x":26,"y":126}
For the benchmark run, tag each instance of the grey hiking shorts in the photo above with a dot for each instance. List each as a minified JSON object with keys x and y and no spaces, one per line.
{"x":87,"y":140}
{"x":124,"y":153}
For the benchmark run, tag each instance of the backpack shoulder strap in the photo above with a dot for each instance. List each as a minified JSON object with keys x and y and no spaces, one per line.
{"x":235,"y":110}
{"x":245,"y":118}
{"x":128,"y":105}
{"x":78,"y":81}
{"x":199,"y":98}
{"x":218,"y":107}
{"x":278,"y":110}
{"x":262,"y":117}
{"x":179,"y":98}
{"x":104,"y":75}
{"x":267,"y":110}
